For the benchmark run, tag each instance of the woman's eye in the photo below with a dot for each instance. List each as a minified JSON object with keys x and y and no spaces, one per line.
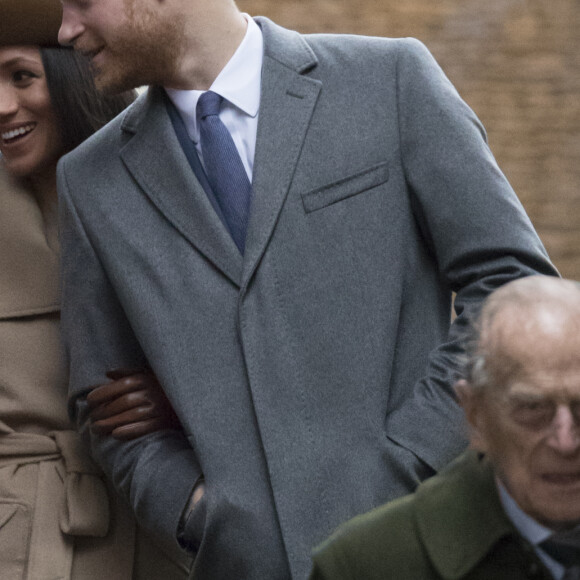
{"x":22,"y":76}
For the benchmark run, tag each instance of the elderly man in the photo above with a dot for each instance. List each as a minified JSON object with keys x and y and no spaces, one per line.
{"x":509,"y":508}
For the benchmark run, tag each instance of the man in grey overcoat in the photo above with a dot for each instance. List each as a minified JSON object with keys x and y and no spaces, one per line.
{"x":305,"y":342}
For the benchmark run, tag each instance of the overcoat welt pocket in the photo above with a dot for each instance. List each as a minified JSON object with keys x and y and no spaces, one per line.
{"x":345,"y":188}
{"x":15,"y":526}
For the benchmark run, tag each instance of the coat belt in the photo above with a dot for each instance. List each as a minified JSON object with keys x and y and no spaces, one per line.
{"x":85,"y":506}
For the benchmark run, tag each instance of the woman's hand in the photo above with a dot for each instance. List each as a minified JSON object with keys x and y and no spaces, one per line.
{"x":133,"y":404}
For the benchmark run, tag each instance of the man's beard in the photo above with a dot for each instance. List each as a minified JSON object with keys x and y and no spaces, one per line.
{"x":146,"y":54}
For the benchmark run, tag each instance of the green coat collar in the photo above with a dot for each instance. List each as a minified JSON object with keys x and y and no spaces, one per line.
{"x":459,"y":516}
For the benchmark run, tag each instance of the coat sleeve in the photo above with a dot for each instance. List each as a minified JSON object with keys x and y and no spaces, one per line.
{"x":156,"y":472}
{"x":473,"y":224}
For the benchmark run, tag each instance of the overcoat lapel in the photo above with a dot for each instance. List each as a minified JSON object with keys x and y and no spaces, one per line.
{"x":156,"y":160}
{"x":286,"y":105}
{"x":287,"y":102}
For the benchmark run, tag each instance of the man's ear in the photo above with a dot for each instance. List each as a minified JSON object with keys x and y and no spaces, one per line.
{"x":471,"y":402}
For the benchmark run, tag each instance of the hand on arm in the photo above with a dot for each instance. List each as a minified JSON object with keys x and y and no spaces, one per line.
{"x":133,"y":404}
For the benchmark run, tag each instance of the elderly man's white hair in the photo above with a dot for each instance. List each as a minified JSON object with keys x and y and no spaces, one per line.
{"x":539,"y":309}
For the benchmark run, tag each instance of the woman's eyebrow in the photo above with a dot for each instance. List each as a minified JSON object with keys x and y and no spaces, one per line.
{"x":21,"y":60}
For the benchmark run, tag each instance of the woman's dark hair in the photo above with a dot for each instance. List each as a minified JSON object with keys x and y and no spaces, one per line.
{"x":79,"y":107}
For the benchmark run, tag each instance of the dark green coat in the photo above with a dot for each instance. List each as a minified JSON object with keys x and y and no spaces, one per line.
{"x":452,"y":528}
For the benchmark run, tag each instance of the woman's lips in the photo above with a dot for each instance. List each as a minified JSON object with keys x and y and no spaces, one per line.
{"x":13,"y":135}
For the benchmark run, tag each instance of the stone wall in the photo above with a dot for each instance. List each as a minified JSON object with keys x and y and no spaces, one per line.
{"x":517,"y":64}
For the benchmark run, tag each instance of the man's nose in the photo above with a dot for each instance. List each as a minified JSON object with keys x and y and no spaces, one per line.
{"x":565,"y":431}
{"x":71,"y":27}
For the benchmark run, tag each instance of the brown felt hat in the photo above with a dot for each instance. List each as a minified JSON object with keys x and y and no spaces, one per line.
{"x":30,"y":22}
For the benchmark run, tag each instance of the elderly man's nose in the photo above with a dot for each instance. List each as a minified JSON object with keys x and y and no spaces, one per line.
{"x":565,"y":431}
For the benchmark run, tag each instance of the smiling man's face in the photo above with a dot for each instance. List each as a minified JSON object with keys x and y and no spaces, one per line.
{"x":129,"y":42}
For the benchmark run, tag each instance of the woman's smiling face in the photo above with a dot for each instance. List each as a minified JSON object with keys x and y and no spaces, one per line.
{"x":30,"y":140}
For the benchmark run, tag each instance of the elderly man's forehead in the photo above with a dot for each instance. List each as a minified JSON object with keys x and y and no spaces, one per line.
{"x":538,"y":304}
{"x":541,"y":317}
{"x":532,"y":290}
{"x":544,"y":330}
{"x":532,"y":325}
{"x":564,"y":386}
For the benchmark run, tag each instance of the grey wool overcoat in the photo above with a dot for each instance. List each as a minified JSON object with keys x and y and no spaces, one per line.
{"x":313,"y":376}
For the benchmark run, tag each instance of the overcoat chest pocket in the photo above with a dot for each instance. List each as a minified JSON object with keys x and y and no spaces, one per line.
{"x":345,"y":188}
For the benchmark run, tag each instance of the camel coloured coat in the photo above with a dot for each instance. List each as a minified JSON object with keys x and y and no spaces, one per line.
{"x":58,"y":518}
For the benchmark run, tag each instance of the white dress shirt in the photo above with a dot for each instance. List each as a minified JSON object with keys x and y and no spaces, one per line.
{"x":239,"y":83}
{"x":531,"y":530}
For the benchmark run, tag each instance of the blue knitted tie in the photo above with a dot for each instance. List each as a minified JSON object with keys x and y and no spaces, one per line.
{"x":224,"y":168}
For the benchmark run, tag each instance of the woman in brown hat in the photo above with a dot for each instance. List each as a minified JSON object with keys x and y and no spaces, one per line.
{"x":58,"y":519}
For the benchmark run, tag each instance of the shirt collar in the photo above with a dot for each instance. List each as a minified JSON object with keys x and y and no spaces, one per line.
{"x":239,"y":82}
{"x":527,"y":526}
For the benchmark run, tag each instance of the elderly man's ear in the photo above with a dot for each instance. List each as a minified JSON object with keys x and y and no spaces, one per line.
{"x":472,"y":405}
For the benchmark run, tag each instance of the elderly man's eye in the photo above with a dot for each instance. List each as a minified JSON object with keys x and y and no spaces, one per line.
{"x":533,"y":414}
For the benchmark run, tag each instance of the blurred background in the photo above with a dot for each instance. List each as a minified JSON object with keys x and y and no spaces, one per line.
{"x":515,"y":62}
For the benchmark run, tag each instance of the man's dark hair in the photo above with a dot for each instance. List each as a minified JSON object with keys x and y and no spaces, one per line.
{"x":79,"y":107}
